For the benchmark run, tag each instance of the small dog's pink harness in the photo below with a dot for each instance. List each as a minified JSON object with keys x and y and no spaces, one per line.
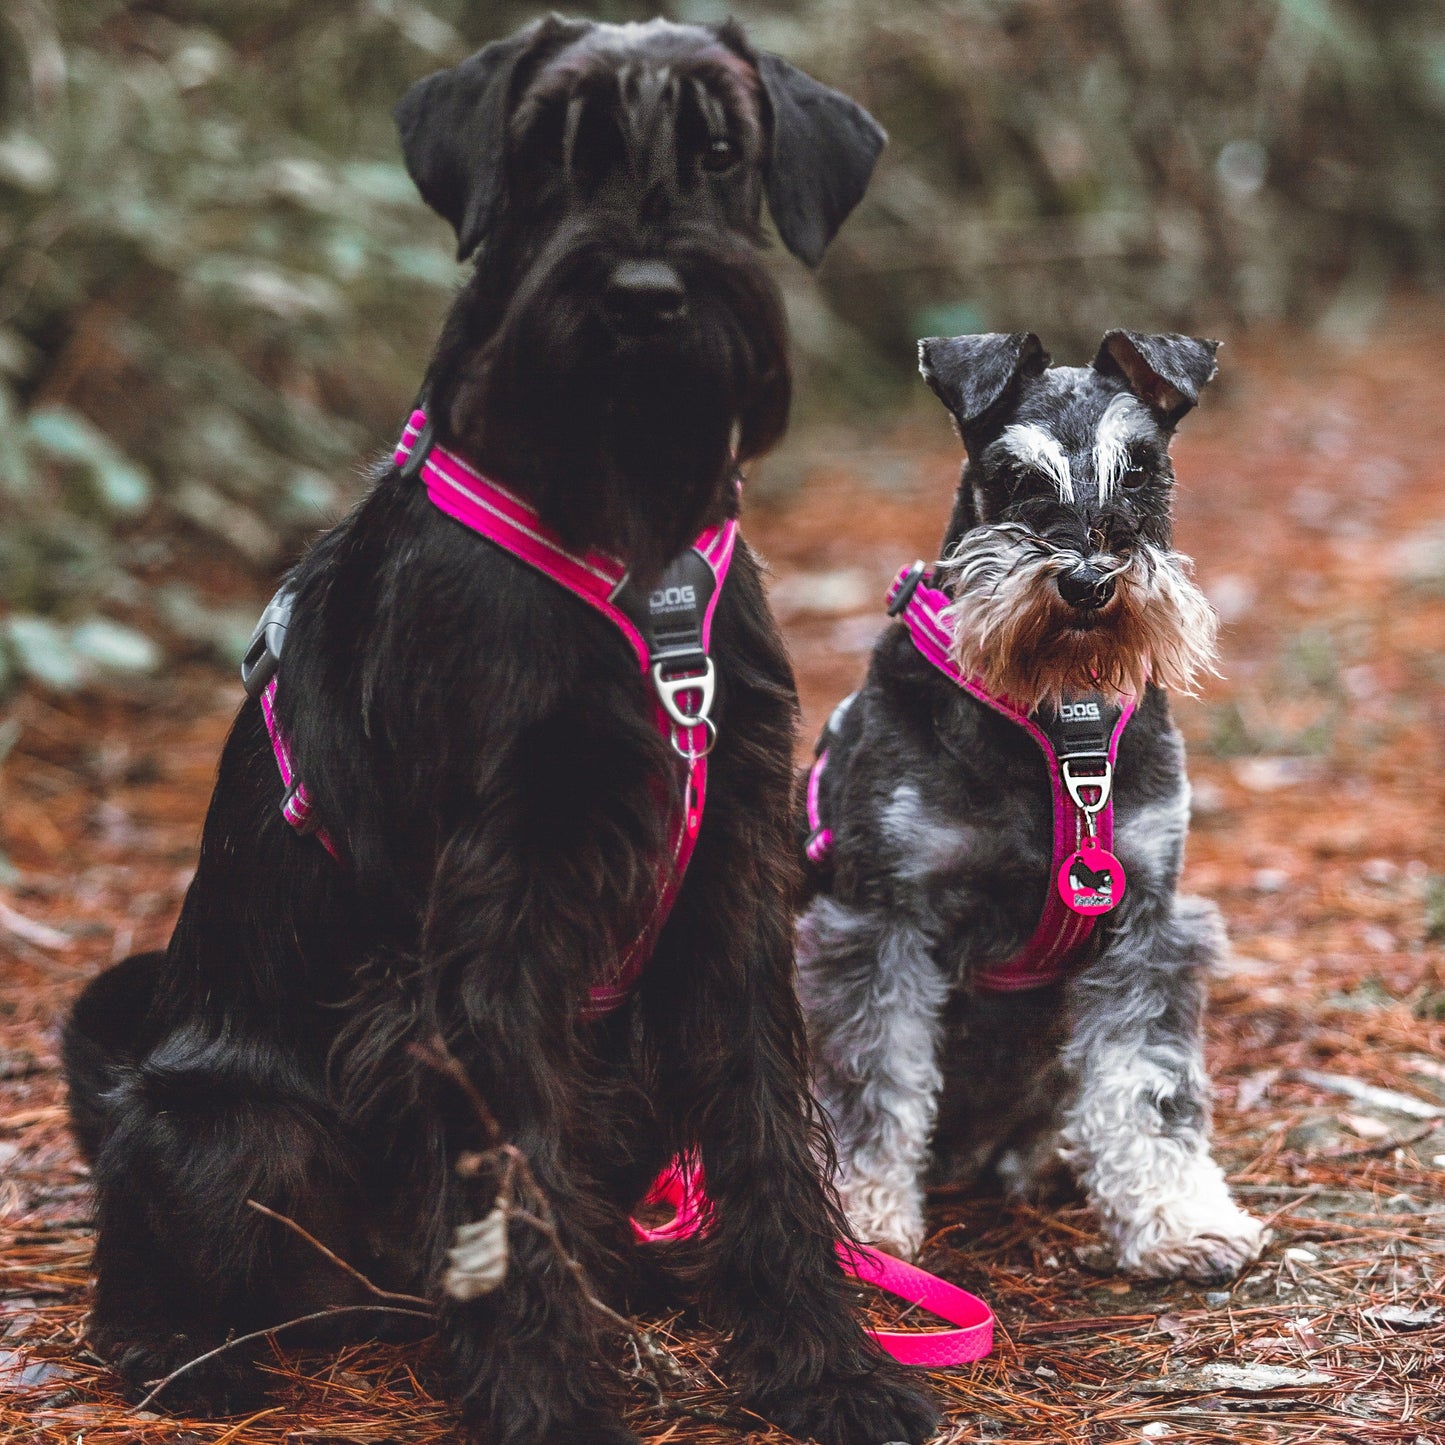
{"x":1080,"y":779}
{"x":668,"y":631}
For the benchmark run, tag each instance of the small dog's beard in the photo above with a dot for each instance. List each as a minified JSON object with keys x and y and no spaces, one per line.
{"x":631,"y":445}
{"x":1016,"y":635}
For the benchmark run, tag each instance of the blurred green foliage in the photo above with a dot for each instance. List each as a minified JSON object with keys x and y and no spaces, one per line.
{"x":217,"y":287}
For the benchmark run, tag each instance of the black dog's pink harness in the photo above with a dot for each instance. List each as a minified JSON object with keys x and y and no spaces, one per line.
{"x":668,"y":630}
{"x":1080,"y":743}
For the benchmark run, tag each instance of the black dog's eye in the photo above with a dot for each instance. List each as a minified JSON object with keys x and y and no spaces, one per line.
{"x":719,"y":155}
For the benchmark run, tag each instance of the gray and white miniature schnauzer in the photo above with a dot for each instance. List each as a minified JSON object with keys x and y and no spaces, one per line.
{"x":989,"y":989}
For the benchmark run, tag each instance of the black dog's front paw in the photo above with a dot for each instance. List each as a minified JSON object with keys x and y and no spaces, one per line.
{"x":601,"y":1429}
{"x":873,"y":1409}
{"x":596,"y":1427}
{"x":229,"y":1384}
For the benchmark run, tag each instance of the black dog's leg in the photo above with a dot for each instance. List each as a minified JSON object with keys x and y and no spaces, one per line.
{"x":510,"y":938}
{"x":181,"y":1139}
{"x":722,"y":1004}
{"x":107,"y":1033}
{"x":1137,"y":1131}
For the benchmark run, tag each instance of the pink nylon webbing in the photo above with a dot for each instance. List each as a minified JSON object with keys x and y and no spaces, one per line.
{"x":477,"y":502}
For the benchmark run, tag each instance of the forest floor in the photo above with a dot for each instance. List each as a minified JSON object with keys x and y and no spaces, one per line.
{"x":1312,"y":494}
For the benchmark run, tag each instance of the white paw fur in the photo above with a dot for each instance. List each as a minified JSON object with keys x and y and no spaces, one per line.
{"x":883,"y":1215}
{"x":1199,"y":1233}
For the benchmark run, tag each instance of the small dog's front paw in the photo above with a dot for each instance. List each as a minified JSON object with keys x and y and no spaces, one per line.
{"x":883,"y":1216}
{"x":873,"y":1409}
{"x":1182,"y":1239}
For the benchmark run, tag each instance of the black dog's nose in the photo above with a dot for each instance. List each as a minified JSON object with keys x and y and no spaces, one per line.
{"x":1086,"y":587}
{"x":643,"y":295}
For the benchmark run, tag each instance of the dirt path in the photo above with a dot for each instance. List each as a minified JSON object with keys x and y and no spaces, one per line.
{"x":1313,"y":497}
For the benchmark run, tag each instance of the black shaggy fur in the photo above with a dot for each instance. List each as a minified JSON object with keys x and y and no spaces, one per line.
{"x":480,"y":745}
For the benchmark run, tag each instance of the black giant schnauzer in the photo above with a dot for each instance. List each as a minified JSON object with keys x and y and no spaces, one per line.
{"x":479,"y":744}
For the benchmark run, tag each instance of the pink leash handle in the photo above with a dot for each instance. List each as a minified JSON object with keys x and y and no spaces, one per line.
{"x":970,"y":1339}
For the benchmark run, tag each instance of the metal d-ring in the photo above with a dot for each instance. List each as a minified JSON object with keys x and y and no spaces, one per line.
{"x":670,"y":690}
{"x":687,"y":752}
{"x":1101,"y":781}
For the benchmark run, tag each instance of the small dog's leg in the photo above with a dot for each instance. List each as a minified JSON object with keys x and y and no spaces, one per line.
{"x":873,"y":997}
{"x":1137,"y":1131}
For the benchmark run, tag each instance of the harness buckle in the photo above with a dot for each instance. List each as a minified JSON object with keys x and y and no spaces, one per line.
{"x":302,"y":819}
{"x":907,"y":586}
{"x":263,"y":652}
{"x":1099,"y":780}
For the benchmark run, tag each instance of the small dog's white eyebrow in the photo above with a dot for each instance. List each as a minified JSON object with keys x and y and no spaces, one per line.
{"x":1123,"y":421}
{"x":1032,"y":444}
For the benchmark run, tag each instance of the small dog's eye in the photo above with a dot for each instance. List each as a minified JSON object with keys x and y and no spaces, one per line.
{"x":719,"y":155}
{"x":1133,"y":475}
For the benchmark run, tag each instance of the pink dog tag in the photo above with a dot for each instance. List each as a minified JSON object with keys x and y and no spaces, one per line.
{"x":1091,"y":880}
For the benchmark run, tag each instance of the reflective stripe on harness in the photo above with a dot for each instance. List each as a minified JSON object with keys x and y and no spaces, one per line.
{"x":668,"y":630}
{"x":1080,"y":744}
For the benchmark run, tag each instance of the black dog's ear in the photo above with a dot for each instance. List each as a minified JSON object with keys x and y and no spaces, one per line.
{"x":973,"y":375}
{"x":453,"y":128}
{"x":1166,"y":373}
{"x":824,"y":148}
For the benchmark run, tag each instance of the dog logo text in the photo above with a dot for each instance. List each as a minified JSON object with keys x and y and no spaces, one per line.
{"x":666,"y":598}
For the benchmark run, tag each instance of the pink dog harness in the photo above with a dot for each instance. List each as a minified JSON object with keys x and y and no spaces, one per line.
{"x":668,"y":630}
{"x":1080,"y":744}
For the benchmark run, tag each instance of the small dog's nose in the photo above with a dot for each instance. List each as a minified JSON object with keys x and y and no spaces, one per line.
{"x":642,"y":295}
{"x":1086,"y":588}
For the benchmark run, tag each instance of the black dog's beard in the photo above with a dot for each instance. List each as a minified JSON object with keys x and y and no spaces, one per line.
{"x":1016,"y":634}
{"x":630,"y":444}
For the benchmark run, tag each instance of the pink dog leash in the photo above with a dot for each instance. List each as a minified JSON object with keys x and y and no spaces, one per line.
{"x":971,"y":1337}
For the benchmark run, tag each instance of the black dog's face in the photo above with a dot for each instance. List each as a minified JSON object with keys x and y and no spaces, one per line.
{"x":1061,"y":566}
{"x":621,"y":347}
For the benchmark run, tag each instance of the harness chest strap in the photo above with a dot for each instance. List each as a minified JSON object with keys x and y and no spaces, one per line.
{"x":668,"y":631}
{"x":1080,"y":746}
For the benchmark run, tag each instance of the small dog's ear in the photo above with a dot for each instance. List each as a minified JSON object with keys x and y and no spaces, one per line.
{"x":972,"y":375}
{"x":824,"y":149}
{"x":1166,"y":373}
{"x":453,"y":127}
